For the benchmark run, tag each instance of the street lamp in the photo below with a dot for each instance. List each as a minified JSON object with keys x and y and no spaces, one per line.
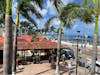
{"x":77,"y":51}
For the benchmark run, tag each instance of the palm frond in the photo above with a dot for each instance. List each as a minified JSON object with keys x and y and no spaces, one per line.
{"x":29,"y":7}
{"x":74,"y":11}
{"x":24,"y":23}
{"x":47,"y":24}
{"x":39,"y":2}
{"x":52,"y":28}
{"x":84,"y":3}
{"x":2,"y":6}
{"x":58,"y":4}
{"x":33,"y":10}
{"x":27,"y":16}
{"x":96,"y":4}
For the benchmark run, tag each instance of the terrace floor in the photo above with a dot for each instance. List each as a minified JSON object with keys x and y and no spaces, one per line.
{"x":45,"y":69}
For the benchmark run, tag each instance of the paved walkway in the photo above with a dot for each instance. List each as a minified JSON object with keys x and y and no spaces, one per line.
{"x":45,"y":69}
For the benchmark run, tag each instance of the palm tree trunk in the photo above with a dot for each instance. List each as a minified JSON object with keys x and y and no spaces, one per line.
{"x":15,"y":45}
{"x":14,"y":51}
{"x":7,"y":56}
{"x":58,"y":50}
{"x":95,"y":44}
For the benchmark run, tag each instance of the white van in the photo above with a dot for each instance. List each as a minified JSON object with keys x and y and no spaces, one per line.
{"x":89,"y":64}
{"x":98,"y":67}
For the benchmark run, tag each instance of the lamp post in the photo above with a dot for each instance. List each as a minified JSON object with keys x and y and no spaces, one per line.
{"x":86,"y":37}
{"x":77,"y":51}
{"x":86,"y":41}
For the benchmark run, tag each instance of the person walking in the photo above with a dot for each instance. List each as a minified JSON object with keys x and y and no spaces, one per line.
{"x":69,"y":68}
{"x":71,"y":60}
{"x":33,"y":58}
{"x":63,"y":58}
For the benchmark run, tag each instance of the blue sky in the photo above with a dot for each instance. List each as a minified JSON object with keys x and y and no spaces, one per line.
{"x":49,"y":11}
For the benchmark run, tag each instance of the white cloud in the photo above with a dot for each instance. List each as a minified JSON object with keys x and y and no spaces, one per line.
{"x":56,"y":22}
{"x":43,"y":12}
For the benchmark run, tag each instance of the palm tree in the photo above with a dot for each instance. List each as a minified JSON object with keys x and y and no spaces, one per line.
{"x":23,"y":8}
{"x":89,"y":10}
{"x":7,"y":62}
{"x":2,"y":12}
{"x":47,"y":25}
{"x":96,"y":13}
{"x":15,"y":45}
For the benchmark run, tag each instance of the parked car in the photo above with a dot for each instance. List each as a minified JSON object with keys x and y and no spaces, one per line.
{"x":69,"y":53}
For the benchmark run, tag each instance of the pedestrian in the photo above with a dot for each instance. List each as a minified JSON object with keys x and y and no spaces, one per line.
{"x":63,"y":58}
{"x":80,"y":51}
{"x":71,"y":60}
{"x":33,"y":58}
{"x":81,"y":62}
{"x":17,"y":66}
{"x":69,"y":68}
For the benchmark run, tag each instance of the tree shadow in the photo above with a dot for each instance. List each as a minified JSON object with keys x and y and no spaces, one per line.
{"x":19,"y":70}
{"x":43,"y":72}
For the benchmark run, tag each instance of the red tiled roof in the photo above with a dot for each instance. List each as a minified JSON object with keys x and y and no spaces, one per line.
{"x":45,"y":45}
{"x":40,"y":38}
{"x":24,"y":43}
{"x":26,"y":37}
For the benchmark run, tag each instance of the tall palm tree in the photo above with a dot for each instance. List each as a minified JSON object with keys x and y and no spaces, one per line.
{"x":15,"y":45}
{"x":7,"y":62}
{"x":47,"y":25}
{"x":23,"y":8}
{"x":89,"y":10}
{"x":96,"y":13}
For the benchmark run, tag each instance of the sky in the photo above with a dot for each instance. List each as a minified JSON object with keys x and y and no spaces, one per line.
{"x":49,"y":11}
